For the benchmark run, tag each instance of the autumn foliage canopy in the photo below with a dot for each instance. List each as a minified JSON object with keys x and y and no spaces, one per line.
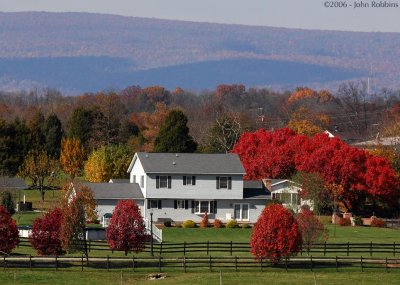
{"x":283,"y":152}
{"x":45,"y":236}
{"x":126,"y":230}
{"x":275,"y":235}
{"x":9,"y":237}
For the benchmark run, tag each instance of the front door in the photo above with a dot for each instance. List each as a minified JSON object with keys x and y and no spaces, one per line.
{"x":241,"y":212}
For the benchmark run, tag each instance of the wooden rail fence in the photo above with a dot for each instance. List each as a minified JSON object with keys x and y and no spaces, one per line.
{"x":233,"y":248}
{"x":184,"y":263}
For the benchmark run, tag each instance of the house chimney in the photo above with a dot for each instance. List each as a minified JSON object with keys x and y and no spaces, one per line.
{"x":267,"y":184}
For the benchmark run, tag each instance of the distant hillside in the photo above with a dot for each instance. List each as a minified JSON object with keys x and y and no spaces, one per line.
{"x":78,"y":52}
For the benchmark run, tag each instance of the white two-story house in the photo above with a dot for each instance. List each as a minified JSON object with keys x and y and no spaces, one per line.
{"x":184,"y":186}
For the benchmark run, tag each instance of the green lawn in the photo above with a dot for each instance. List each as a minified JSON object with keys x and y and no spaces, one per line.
{"x":26,"y":218}
{"x":272,"y":276}
{"x":343,"y":234}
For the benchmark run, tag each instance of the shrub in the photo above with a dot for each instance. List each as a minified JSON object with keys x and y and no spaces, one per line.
{"x":204,"y":222}
{"x":275,"y":235}
{"x":188,"y":224}
{"x":167,"y":224}
{"x":45,"y":235}
{"x":217,"y":223}
{"x":231,"y":224}
{"x":358,"y":221}
{"x":245,"y":226}
{"x":325,"y":219}
{"x":8,"y":202}
{"x":344,"y":222}
{"x":378,"y":223}
{"x":312,"y":230}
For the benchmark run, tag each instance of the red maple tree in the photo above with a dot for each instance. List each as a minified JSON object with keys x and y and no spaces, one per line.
{"x":312,"y":230}
{"x":9,"y":236}
{"x":45,"y":236}
{"x":280,"y":153}
{"x":275,"y":235}
{"x":126,"y":230}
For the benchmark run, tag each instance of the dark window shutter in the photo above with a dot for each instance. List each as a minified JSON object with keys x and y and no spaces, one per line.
{"x":193,"y":180}
{"x":186,"y":204}
{"x":148,"y":204}
{"x":211,"y":207}
{"x":217,"y":182}
{"x":215,"y":207}
{"x":229,"y":182}
{"x":157,"y":182}
{"x":184,"y":180}
{"x":175,"y":204}
{"x":169,"y":182}
{"x":159,"y":204}
{"x":192,"y":206}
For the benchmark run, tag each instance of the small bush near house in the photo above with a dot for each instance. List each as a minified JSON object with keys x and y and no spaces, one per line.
{"x":217,"y":223}
{"x":325,"y":219}
{"x":358,"y":221}
{"x":245,"y":226}
{"x":232,"y":224}
{"x":8,"y":202}
{"x":378,"y":223}
{"x":188,"y":224}
{"x":204,"y":222}
{"x":344,"y":222}
{"x":167,"y":224}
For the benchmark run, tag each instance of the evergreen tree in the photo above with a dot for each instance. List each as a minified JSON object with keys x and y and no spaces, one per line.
{"x":53,"y":134}
{"x":8,"y":202}
{"x":174,"y":134}
{"x":80,"y":125}
{"x":37,"y":132}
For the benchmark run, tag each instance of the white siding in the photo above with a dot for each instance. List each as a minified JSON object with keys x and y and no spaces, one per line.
{"x":107,"y":206}
{"x":205,"y":188}
{"x":138,"y":171}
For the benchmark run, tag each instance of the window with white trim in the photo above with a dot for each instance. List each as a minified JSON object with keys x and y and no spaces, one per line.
{"x":202,"y":206}
{"x":189,"y":180}
{"x":154,"y":204}
{"x":163,"y":181}
{"x":181,"y":204}
{"x":224,"y":182}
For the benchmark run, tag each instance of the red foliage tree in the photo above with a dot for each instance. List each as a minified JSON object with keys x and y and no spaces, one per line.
{"x":45,"y":236}
{"x":275,"y":235}
{"x":312,"y":230}
{"x":9,"y":236}
{"x":279,"y":154}
{"x":126,"y":230}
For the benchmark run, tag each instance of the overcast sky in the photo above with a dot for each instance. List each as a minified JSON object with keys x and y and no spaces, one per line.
{"x":307,"y":14}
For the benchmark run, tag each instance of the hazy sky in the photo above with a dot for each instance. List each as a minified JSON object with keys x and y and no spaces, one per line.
{"x":307,"y":14}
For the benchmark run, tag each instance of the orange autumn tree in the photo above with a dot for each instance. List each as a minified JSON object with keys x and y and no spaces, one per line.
{"x":149,"y":125}
{"x":72,"y":156}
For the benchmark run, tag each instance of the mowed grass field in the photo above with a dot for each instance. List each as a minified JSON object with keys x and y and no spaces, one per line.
{"x":298,"y":277}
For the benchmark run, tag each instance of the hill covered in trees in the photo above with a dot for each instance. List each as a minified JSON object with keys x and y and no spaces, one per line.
{"x":78,"y":52}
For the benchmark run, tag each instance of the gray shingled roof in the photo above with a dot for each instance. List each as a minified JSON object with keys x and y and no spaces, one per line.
{"x":115,"y":190}
{"x":12,"y":182}
{"x":191,"y":163}
{"x":118,"y":180}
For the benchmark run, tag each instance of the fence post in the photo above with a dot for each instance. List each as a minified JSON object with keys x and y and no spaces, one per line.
{"x":108,"y":263}
{"x":56,"y":262}
{"x":5,"y":262}
{"x":236,"y":263}
{"x":184,"y":263}
{"x":394,"y":248}
{"x":348,"y":248}
{"x":184,"y":248}
{"x":30,"y":261}
{"x":82,"y":262}
{"x":231,"y":247}
{"x":133,"y":263}
{"x":286,"y":265}
{"x":325,"y":248}
{"x":337,"y":265}
{"x":362,"y":268}
{"x":311,"y":264}
{"x":210,"y":265}
{"x":159,"y":263}
{"x":370,"y":249}
{"x":261,"y":264}
{"x":208,"y":246}
{"x":386,"y":264}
